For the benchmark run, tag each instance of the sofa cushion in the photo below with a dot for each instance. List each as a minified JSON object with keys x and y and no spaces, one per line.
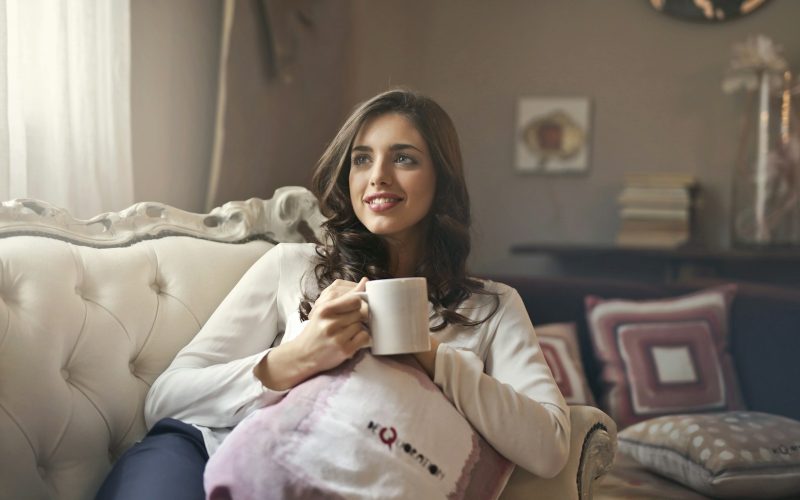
{"x":559,"y":343}
{"x":724,"y":455}
{"x":374,"y":427}
{"x":664,"y":356}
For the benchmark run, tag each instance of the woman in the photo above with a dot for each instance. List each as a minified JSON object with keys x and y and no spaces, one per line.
{"x":392,"y":184}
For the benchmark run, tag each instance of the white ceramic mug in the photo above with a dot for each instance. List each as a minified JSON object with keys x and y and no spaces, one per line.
{"x":398,"y":315}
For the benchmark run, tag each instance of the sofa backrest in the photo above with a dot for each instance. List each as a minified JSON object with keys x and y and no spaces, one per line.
{"x":765,"y":342}
{"x":91,"y":312}
{"x":764,"y":330}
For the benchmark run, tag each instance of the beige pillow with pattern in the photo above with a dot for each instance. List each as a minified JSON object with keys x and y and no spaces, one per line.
{"x":736,"y":454}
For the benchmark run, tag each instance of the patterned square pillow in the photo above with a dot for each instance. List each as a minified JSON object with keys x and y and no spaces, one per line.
{"x":559,"y":343}
{"x":374,"y":427}
{"x":666,"y":356}
{"x":724,"y":455}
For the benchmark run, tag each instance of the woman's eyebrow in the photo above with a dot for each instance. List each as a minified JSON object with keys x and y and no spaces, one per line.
{"x":397,"y":147}
{"x":393,"y":147}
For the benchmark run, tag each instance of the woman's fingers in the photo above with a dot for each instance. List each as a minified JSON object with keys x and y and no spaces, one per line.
{"x":333,"y":326}
{"x":342,"y":305}
{"x":337,"y":289}
{"x":360,"y":340}
{"x":353,"y":338}
{"x":337,"y":307}
{"x":342,"y":287}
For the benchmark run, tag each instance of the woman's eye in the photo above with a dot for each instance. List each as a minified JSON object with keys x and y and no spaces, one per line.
{"x":360,"y":159}
{"x":404,"y":158}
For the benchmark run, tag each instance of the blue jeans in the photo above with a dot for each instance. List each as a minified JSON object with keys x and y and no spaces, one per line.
{"x":167,"y":464}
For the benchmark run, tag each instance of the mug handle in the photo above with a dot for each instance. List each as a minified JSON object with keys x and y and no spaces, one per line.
{"x":363,"y":296}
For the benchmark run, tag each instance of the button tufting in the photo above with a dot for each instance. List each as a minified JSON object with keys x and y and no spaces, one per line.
{"x":41,"y":469}
{"x":132,"y":367}
{"x":156,"y":287}
{"x":65,"y":373}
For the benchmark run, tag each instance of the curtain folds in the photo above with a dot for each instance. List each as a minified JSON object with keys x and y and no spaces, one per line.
{"x":229,"y":12}
{"x":65,"y":119}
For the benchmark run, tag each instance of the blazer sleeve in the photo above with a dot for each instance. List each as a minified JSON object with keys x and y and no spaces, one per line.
{"x":511,"y":399}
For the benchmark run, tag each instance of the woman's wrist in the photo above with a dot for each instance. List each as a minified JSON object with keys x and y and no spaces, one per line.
{"x":428,"y":358}
{"x":281,"y":368}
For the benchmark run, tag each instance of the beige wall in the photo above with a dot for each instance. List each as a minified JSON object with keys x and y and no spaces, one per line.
{"x":174,"y":54}
{"x":654,"y":83}
{"x":277,"y":128}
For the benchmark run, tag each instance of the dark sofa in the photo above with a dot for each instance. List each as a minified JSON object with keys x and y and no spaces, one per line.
{"x":764,"y":330}
{"x":764,"y":339}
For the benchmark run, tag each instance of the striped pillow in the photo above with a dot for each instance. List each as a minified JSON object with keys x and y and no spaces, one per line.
{"x":667,"y":356}
{"x":559,"y":343}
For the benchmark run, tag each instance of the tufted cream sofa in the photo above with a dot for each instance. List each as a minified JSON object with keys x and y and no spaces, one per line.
{"x":91,"y":312}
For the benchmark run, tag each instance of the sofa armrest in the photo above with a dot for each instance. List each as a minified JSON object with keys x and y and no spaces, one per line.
{"x":593,"y":443}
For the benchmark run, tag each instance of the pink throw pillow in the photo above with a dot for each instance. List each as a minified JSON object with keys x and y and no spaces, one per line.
{"x":559,"y":343}
{"x":666,"y":356}
{"x":375,"y":427}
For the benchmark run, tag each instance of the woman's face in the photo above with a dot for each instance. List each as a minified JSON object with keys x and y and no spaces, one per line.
{"x":392,"y":178}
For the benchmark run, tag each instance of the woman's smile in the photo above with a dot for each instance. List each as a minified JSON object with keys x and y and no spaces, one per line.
{"x":381,"y":202}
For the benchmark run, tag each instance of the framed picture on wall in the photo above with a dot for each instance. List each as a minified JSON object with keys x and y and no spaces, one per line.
{"x":552,"y":135}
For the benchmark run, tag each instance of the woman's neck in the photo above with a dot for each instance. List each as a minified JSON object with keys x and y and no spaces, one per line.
{"x":404,"y":257}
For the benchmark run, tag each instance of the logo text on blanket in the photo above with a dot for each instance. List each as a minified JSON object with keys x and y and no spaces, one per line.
{"x":388,"y":436}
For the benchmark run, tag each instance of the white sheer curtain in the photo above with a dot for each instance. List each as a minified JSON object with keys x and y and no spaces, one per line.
{"x":65,"y":127}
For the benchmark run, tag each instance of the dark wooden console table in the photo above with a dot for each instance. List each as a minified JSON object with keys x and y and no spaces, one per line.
{"x":778,"y":266}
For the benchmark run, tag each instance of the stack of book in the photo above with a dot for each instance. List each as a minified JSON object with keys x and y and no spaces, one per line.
{"x":656,"y":209}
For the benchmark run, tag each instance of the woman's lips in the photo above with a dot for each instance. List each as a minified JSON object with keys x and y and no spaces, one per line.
{"x":382,"y":202}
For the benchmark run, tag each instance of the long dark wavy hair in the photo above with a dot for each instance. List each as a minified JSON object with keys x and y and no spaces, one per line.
{"x":350,"y":251}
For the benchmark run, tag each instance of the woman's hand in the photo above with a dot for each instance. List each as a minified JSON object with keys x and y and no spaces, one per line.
{"x":336,"y":326}
{"x":334,"y":333}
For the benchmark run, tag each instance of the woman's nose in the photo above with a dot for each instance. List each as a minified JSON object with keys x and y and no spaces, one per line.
{"x":381,"y":173}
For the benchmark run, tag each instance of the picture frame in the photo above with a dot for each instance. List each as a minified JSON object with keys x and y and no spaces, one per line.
{"x":552,"y":135}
